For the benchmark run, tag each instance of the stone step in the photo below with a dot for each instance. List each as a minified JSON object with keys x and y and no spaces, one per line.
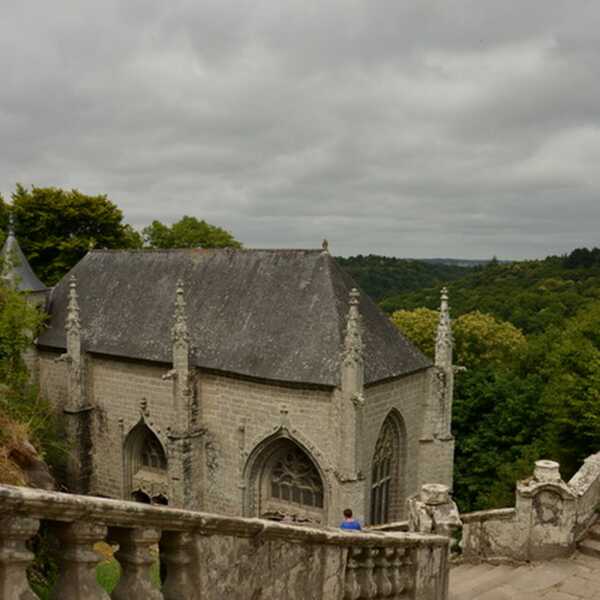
{"x":590,"y":546}
{"x":461,"y":580}
{"x":594,"y":531}
{"x":488,"y":581}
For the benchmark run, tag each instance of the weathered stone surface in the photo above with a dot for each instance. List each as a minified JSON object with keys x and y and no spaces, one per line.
{"x":212,"y":557}
{"x":548,"y":519}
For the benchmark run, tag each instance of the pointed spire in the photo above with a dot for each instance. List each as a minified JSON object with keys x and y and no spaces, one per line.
{"x":353,"y":344}
{"x":73,"y":322}
{"x":444,"y":339}
{"x":16,"y":270}
{"x":180,"y":329}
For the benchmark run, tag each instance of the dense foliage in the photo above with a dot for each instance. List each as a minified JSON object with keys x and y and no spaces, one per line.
{"x":188,"y":232}
{"x":382,"y":276}
{"x":532,"y":385}
{"x":56,"y":228}
{"x":23,"y":413}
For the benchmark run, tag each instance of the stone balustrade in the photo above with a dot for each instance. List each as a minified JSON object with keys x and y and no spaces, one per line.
{"x":548,"y":519}
{"x":210,"y":557}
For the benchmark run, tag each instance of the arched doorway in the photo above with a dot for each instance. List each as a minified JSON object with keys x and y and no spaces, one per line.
{"x":285,"y":484}
{"x":387,"y":471}
{"x":145,"y":466}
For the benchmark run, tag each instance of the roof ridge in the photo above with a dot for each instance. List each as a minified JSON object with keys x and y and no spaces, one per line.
{"x":224,"y":250}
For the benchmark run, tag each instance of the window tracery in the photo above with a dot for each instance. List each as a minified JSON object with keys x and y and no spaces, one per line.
{"x":295,"y":479}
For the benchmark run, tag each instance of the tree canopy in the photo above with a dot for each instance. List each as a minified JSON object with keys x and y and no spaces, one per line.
{"x":188,"y":232}
{"x":57,"y":227}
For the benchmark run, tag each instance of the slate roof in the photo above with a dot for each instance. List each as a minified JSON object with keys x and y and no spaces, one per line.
{"x":17,"y":268}
{"x":272,"y":314}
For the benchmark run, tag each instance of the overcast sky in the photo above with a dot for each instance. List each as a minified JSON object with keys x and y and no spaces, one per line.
{"x":409,"y":128}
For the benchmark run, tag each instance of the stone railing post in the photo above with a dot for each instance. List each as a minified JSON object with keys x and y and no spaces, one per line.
{"x":78,"y":560}
{"x":383,"y":573}
{"x":14,"y":556}
{"x":176,"y":554}
{"x":351,"y":586}
{"x":136,"y":559}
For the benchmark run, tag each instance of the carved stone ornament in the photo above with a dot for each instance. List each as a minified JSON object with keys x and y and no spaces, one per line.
{"x":444,"y":340}
{"x":353,"y":344}
{"x":180,"y":329}
{"x":73,"y":322}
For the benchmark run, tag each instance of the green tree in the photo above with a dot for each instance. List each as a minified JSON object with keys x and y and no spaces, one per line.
{"x":188,"y":232}
{"x":4,"y":218}
{"x":571,"y":395}
{"x":419,"y":326}
{"x":56,"y":228}
{"x":480,"y":340}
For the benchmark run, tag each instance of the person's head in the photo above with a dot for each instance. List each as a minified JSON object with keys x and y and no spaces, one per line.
{"x":348,"y":513}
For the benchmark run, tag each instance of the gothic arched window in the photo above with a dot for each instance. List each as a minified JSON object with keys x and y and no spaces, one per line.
{"x":384,"y":474}
{"x":286,"y":484}
{"x":146,"y":476}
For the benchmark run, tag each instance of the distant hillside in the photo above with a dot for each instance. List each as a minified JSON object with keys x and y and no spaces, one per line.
{"x":382,"y":276}
{"x":462,"y":262}
{"x":532,"y":295}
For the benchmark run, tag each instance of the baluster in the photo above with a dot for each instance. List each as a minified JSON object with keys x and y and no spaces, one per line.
{"x":135,"y":557}
{"x":14,"y":556}
{"x":176,"y":555}
{"x":396,"y":556}
{"x":368,"y":586}
{"x":407,"y":573}
{"x":78,"y":560}
{"x":382,"y":573}
{"x":351,"y":587}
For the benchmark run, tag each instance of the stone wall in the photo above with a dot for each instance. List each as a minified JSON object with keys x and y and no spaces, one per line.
{"x":427,"y":460}
{"x":548,"y":519}
{"x":212,"y":469}
{"x":212,"y":557}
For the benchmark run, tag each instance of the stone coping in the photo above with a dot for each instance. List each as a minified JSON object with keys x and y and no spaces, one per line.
{"x":57,"y":506}
{"x":488,"y":515}
{"x":394,"y":526}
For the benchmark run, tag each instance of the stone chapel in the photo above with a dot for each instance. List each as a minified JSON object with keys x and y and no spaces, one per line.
{"x":244,"y":382}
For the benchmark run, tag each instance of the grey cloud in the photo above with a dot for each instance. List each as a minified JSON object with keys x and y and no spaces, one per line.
{"x":458,"y":128}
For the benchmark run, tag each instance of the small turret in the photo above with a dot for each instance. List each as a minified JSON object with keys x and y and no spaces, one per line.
{"x":16,"y":270}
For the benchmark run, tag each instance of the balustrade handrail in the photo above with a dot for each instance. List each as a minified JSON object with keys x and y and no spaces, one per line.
{"x":58,"y":506}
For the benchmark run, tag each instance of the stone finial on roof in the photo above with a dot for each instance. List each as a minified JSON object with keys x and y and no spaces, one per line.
{"x":180,"y":329}
{"x":444,"y":339}
{"x":325,"y":246}
{"x":353,"y":343}
{"x":73,"y":321}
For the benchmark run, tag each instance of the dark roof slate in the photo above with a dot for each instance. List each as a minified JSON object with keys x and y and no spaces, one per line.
{"x":17,"y":268}
{"x":272,"y":314}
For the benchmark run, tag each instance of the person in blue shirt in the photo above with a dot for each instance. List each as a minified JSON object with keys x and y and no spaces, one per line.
{"x":349,"y":522}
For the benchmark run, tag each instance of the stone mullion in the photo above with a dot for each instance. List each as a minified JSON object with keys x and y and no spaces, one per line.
{"x":14,"y":556}
{"x":136,"y":559}
{"x":78,"y":561}
{"x":176,"y":556}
